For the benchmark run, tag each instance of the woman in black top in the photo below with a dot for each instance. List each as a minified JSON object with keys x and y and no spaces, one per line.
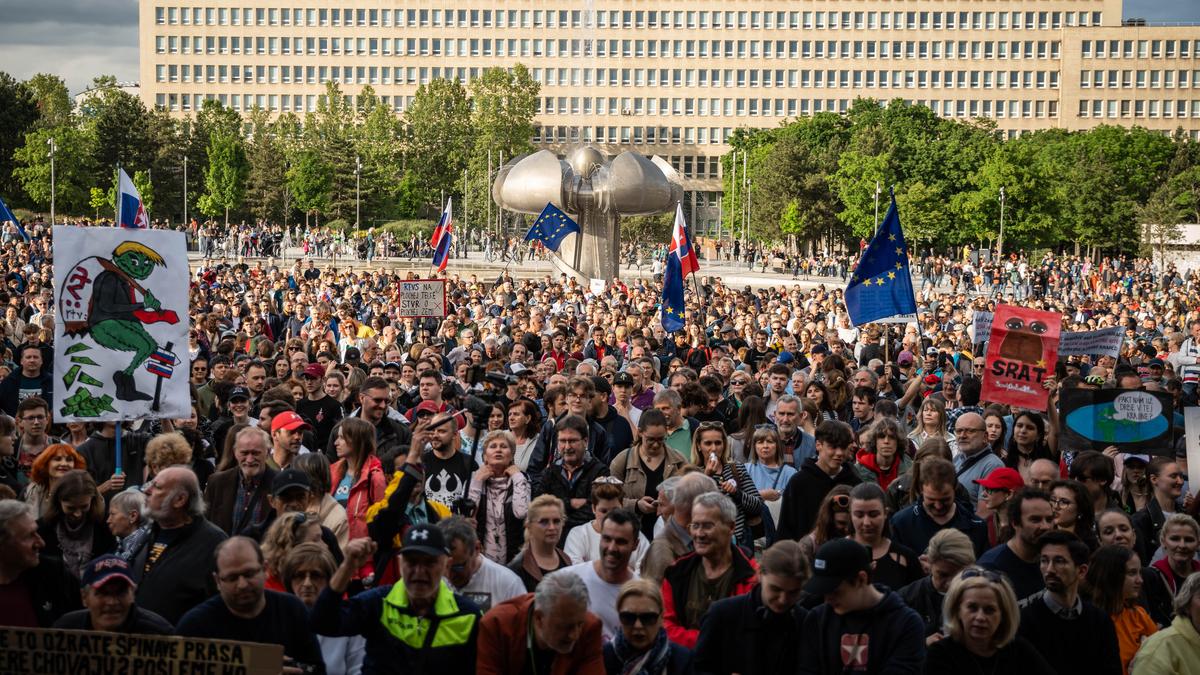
{"x":896,"y":565}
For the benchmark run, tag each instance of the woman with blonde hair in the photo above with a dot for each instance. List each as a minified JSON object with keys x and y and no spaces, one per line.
{"x":169,"y":449}
{"x":980,"y":617}
{"x":931,"y":423}
{"x":288,"y":530}
{"x":540,"y":556}
{"x":501,"y":492}
{"x":710,"y":449}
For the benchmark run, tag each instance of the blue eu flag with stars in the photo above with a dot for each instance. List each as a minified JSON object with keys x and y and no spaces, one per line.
{"x":881,"y":286}
{"x":673,"y":307}
{"x":551,"y":227}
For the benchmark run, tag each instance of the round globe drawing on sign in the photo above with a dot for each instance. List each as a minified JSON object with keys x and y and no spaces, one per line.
{"x":1132,"y":417}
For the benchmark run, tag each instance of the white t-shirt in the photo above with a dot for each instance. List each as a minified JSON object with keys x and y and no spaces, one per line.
{"x":583,"y":545}
{"x":492,"y":584}
{"x":602,"y":598}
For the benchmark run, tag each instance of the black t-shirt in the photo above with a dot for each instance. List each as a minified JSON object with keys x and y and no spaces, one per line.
{"x":323,"y":413}
{"x":654,"y":478}
{"x":284,"y":621}
{"x":447,"y":479}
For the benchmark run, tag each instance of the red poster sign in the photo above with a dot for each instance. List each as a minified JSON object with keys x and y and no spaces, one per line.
{"x":1021,"y":354}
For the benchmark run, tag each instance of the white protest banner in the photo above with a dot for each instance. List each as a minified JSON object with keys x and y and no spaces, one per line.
{"x":121,"y":314}
{"x":982,"y":324}
{"x":1191,"y":429}
{"x":34,"y":650}
{"x":422,"y":298}
{"x":1103,"y":342}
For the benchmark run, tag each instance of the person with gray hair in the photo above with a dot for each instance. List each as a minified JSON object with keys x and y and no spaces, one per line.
{"x":238,"y":495}
{"x":128,"y":522}
{"x":549,"y":630}
{"x":472,"y":574}
{"x":37,"y":590}
{"x":1173,"y":650}
{"x":675,"y":540}
{"x":718,"y":566}
{"x":173,"y":569}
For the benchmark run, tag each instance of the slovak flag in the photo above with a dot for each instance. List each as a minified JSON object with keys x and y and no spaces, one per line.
{"x":681,"y":244}
{"x":130,"y":211}
{"x":443,"y":237}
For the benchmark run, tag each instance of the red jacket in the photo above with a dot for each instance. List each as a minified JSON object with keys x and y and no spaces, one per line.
{"x":366,"y":489}
{"x":503,"y":644}
{"x":676,"y":581}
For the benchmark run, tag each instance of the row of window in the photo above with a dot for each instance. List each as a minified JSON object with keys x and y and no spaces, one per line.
{"x":653,"y":19}
{"x":1127,"y":108}
{"x":576,"y":47}
{"x":1141,"y":79}
{"x":1142,"y":49}
{"x":633,"y":77}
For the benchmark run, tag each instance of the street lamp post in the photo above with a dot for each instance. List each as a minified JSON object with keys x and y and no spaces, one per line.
{"x":185,"y":220}
{"x":1000,"y":242}
{"x":357,"y":191}
{"x":878,"y":190}
{"x":53,"y":187}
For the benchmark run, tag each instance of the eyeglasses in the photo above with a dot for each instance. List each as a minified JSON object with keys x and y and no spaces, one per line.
{"x":1059,"y":502}
{"x":633,"y":618}
{"x":711,"y":425}
{"x":608,"y":480}
{"x":980,"y":572}
{"x":764,"y":425}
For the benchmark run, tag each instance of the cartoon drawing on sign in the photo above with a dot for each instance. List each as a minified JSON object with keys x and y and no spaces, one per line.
{"x":1023,"y":343}
{"x":1130,"y":419}
{"x":105,"y":304}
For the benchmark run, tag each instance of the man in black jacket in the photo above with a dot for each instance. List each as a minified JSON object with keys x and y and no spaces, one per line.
{"x":807,"y":489}
{"x":173,"y":570}
{"x":37,"y":589}
{"x":100,"y":451}
{"x":580,"y":392}
{"x":108,"y":600}
{"x":32,"y":378}
{"x":571,"y":477}
{"x":758,"y":633}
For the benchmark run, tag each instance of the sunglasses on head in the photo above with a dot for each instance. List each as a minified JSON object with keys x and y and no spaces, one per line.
{"x":980,"y":572}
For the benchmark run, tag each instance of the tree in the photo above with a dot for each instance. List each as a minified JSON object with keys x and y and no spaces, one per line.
{"x":310,"y":180}
{"x":266,"y":182}
{"x":72,"y":167}
{"x":1160,"y":219}
{"x":18,"y":114}
{"x":503,"y":106}
{"x":381,"y":150}
{"x":225,"y":181}
{"x":120,"y":124}
{"x":53,"y":100}
{"x":438,"y":137}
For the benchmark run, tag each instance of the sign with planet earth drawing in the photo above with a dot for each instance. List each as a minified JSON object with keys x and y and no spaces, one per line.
{"x":1132,"y":420}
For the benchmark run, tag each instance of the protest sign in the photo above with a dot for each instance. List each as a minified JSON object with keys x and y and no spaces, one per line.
{"x":422,"y":298}
{"x":33,"y":650}
{"x":1133,"y":420}
{"x":982,"y":323}
{"x":1102,"y":342}
{"x":1191,"y":427}
{"x":1020,"y":356}
{"x":121,"y":314}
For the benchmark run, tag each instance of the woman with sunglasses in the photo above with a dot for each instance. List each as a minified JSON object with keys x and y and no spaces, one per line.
{"x":980,"y":618}
{"x":710,"y":449}
{"x":832,"y":522}
{"x":642,"y":647}
{"x":1114,"y":577}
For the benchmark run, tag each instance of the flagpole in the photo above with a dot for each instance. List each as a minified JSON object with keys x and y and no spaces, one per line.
{"x":117,"y":192}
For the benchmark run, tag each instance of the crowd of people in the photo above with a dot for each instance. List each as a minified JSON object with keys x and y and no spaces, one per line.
{"x":544,"y":481}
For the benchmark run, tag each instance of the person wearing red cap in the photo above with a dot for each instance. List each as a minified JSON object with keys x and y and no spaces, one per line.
{"x":996,"y":489}
{"x":287,"y":439}
{"x":108,"y":600}
{"x":321,"y":410}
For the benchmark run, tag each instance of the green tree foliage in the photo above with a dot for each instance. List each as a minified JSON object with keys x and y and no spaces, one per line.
{"x":53,"y":100}
{"x":310,"y":181}
{"x":120,"y":124}
{"x":438,"y":129}
{"x":18,"y":114}
{"x":504,"y":103}
{"x":225,"y":180}
{"x":72,"y":168}
{"x":266,"y":179}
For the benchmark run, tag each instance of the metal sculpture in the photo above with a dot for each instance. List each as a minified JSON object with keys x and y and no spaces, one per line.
{"x":597,"y":192}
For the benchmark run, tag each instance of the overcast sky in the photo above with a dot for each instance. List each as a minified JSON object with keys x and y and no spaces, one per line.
{"x":80,"y":39}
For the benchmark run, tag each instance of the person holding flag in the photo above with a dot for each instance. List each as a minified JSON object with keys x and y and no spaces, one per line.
{"x":552,"y":227}
{"x":130,"y":210}
{"x":681,"y":261}
{"x":443,"y":237}
{"x":881,"y":286}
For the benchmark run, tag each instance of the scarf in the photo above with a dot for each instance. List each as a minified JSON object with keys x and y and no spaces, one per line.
{"x":651,"y":662}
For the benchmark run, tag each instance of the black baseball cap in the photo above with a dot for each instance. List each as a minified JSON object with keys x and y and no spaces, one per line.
{"x":239,"y":392}
{"x":288,"y":479}
{"x":837,"y":561}
{"x":424,"y":538}
{"x":352,"y":354}
{"x":622,"y":379}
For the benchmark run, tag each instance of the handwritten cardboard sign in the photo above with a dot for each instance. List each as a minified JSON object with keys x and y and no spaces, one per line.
{"x":422,"y":298}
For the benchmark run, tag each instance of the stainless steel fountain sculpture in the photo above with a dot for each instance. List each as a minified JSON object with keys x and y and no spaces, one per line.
{"x":596,"y":193}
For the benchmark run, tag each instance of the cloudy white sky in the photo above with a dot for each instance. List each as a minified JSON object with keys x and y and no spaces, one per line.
{"x":80,"y":39}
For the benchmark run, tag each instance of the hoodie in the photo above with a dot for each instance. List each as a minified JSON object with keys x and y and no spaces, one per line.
{"x":868,"y":470}
{"x":876,"y":640}
{"x":803,"y":496}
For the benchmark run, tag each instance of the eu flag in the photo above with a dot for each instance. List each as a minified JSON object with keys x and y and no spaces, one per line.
{"x":7,"y":215}
{"x":551,"y":227}
{"x":672,"y":294}
{"x":881,"y":286}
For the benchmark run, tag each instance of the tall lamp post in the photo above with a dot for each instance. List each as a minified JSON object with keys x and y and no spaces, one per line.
{"x":53,"y":191}
{"x":357,"y":191}
{"x":1000,"y":242}
{"x":185,"y":220}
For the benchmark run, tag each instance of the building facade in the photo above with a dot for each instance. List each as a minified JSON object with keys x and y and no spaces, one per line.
{"x":676,"y":78}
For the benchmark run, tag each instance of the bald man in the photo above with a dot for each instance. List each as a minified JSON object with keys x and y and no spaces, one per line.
{"x":975,"y":459}
{"x":1042,"y":472}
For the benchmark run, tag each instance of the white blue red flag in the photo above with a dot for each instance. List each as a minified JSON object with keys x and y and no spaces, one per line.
{"x":130,"y":210}
{"x":681,"y":244}
{"x":443,"y":237}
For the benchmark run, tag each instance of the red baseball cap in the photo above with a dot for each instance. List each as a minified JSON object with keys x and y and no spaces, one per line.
{"x":314,"y":370}
{"x":288,"y":420}
{"x":1002,"y":478}
{"x":426,"y":407}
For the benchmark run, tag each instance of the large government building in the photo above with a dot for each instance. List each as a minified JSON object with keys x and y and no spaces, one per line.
{"x":675,"y":78}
